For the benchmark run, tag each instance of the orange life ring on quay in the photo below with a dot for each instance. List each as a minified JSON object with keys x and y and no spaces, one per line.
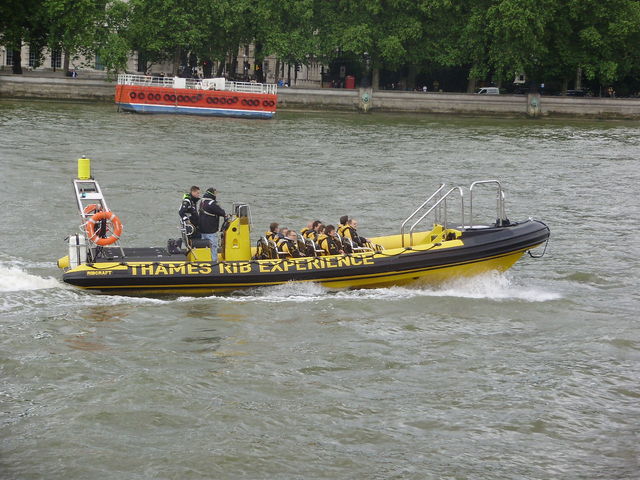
{"x":115,"y":223}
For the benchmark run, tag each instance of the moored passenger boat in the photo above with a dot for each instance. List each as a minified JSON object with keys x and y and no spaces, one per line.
{"x":209,"y":97}
{"x":443,"y":252}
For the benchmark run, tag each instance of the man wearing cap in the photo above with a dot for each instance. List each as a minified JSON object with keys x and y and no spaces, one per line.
{"x":209,"y":213}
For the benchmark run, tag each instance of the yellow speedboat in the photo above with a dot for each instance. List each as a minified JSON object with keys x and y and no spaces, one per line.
{"x":96,"y":261}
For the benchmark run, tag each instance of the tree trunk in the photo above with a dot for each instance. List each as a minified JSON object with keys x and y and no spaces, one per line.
{"x":65,"y":64}
{"x":565,"y":85}
{"x":221,"y":64}
{"x":177,"y":54}
{"x":277,"y":75}
{"x":258,"y":62}
{"x":579,"y":78}
{"x":471,"y":85}
{"x":17,"y":62}
{"x":207,"y":67}
{"x":411,"y":78}
{"x":375,"y":78}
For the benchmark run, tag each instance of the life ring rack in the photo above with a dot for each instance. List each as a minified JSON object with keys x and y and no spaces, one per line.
{"x":116,"y":224}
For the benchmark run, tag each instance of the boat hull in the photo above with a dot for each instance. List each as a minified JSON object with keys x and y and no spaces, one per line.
{"x":155,"y":271}
{"x":185,"y":101}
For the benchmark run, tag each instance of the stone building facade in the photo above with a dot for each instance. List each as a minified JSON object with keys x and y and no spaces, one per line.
{"x":243,"y":68}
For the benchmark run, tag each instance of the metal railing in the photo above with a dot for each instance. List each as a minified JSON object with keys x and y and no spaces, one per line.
{"x":441,"y":205}
{"x":248,"y":87}
{"x":417,"y":210}
{"x":438,"y":206}
{"x":207,"y":84}
{"x":501,"y":214}
{"x":147,"y":81}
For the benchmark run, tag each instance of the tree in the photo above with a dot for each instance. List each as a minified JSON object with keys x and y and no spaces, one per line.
{"x":74,"y":26}
{"x":162,"y":29}
{"x":22,"y":21}
{"x":379,"y":33}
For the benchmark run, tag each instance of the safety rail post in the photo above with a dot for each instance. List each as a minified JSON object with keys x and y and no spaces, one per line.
{"x":442,"y":199}
{"x":500,"y":208}
{"x":417,"y":210}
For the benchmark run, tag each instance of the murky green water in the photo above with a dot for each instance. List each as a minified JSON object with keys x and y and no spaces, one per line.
{"x":533,"y":374}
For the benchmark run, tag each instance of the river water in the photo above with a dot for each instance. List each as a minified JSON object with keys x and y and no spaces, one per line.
{"x":531,"y":374}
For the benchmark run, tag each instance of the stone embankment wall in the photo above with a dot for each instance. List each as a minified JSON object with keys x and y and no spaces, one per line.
{"x":55,"y":88}
{"x":13,"y":86}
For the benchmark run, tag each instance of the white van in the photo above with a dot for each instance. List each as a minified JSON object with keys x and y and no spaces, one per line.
{"x":489,"y":91}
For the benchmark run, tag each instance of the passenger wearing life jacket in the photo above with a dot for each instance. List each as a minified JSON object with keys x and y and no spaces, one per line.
{"x":209,"y":213}
{"x":289,"y":245}
{"x":304,"y":231}
{"x":272,"y":233}
{"x":350,"y":232}
{"x":328,"y":241}
{"x":343,"y":224}
{"x":315,"y":230}
{"x":189,"y":213}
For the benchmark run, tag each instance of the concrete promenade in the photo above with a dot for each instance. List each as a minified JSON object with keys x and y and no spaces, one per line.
{"x":84,"y":89}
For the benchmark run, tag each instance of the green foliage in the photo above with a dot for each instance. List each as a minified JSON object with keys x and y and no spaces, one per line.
{"x":490,"y":38}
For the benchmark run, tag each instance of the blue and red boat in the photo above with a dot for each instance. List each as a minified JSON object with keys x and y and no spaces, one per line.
{"x":209,"y":97}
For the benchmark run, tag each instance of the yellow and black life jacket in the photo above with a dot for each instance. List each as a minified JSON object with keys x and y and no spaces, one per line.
{"x":289,"y":248}
{"x":311,"y":234}
{"x":330,"y":245}
{"x":271,"y":236}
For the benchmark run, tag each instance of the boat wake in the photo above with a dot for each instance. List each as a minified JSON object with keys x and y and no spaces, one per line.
{"x":492,"y":286}
{"x":14,"y":279}
{"x":24,"y":291}
{"x":27,"y":293}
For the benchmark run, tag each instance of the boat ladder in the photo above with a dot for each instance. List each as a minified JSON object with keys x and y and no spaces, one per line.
{"x":88,"y":193}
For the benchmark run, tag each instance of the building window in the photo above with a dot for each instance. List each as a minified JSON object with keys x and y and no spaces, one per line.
{"x":99,"y":64}
{"x":56,"y":59}
{"x":33,"y":57}
{"x":9,"y":56}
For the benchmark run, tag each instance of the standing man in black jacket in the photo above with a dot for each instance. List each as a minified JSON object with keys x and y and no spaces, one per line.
{"x":188,"y":211}
{"x":209,"y":213}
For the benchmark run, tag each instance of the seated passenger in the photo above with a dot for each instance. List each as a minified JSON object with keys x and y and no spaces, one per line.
{"x":289,"y":245}
{"x":305,"y":230}
{"x":272,"y":233}
{"x":343,"y":224}
{"x":329,"y":242}
{"x":314,"y":231}
{"x":350,"y":232}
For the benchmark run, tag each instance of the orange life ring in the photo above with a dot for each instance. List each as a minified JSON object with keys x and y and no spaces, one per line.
{"x":92,"y":208}
{"x":115,"y":223}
